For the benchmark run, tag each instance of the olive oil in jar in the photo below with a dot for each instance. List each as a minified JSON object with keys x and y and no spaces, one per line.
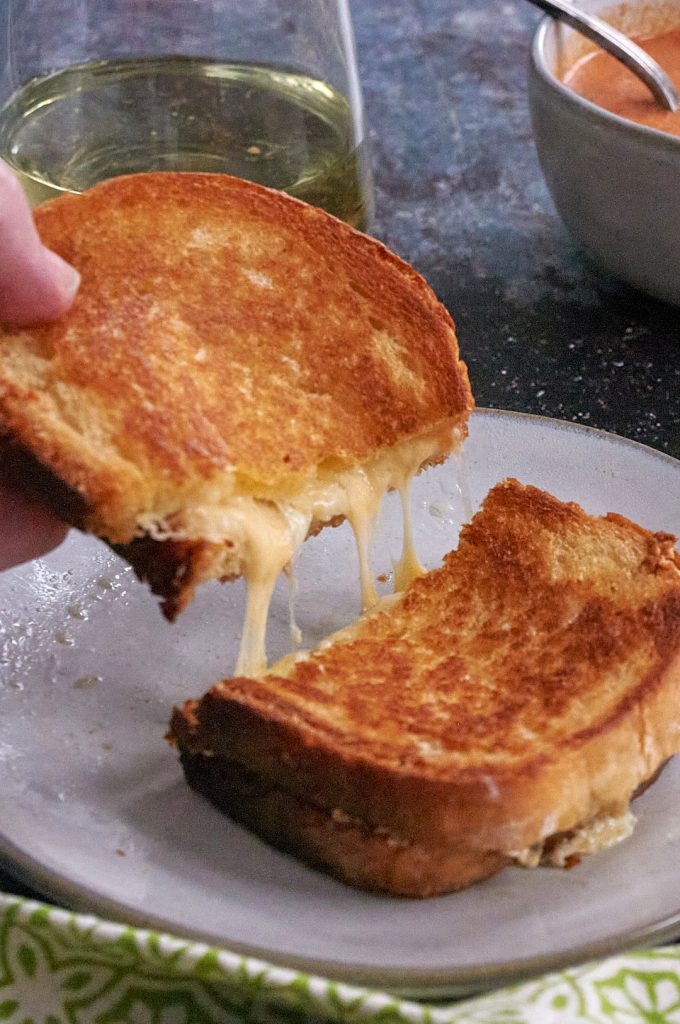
{"x":275,"y":126}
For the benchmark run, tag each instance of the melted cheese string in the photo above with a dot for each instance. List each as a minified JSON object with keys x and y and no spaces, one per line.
{"x":252,"y":655}
{"x":363,"y":529}
{"x":363,"y":504}
{"x":294,"y":629}
{"x":356,"y":494}
{"x":408,"y":567}
{"x":268,"y":534}
{"x":271,"y":536}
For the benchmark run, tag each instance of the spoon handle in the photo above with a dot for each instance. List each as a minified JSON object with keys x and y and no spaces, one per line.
{"x":619,"y":45}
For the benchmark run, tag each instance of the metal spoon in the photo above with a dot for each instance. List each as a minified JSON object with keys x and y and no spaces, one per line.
{"x":619,"y":45}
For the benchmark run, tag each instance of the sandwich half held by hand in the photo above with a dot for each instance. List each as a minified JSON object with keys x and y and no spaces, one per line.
{"x":505,"y":708}
{"x":238,"y":370}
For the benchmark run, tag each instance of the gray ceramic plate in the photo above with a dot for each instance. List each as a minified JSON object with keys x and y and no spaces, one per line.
{"x":94,"y":810}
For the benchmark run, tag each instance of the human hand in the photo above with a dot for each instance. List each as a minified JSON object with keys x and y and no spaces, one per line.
{"x":27,"y":528}
{"x":35,"y":285}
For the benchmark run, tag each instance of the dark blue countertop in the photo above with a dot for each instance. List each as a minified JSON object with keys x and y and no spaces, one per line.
{"x":461,"y":196}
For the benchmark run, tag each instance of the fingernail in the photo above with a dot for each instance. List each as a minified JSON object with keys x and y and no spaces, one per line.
{"x":66,"y":277}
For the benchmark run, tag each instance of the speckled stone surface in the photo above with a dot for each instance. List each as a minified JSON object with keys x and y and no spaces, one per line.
{"x":459,"y":194}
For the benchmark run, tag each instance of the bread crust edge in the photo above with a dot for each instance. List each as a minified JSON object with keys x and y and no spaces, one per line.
{"x":482,"y":808}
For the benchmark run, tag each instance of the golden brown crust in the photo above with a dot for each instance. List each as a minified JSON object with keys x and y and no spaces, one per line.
{"x":226,"y":339}
{"x":172,"y":568}
{"x":332,"y":842}
{"x":220,"y":328}
{"x":526,"y":687}
{"x":22,"y":468}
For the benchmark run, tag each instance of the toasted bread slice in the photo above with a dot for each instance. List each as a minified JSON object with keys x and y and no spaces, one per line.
{"x":238,"y":369}
{"x":506,"y":706}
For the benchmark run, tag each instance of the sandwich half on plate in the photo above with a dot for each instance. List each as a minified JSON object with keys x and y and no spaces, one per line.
{"x":237,"y":371}
{"x":505,"y":708}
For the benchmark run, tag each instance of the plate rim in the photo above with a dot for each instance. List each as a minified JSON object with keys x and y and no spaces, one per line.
{"x":423,"y":982}
{"x":552,"y":422}
{"x":404,"y":982}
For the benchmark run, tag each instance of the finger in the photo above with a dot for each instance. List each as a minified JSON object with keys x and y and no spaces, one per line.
{"x":27,"y":528}
{"x":35,"y":283}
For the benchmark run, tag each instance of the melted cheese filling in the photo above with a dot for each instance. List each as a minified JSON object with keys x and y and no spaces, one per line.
{"x":408,"y":567}
{"x":599,"y":834}
{"x":267,"y":534}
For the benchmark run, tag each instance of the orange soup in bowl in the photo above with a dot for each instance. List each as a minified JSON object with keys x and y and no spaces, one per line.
{"x":603,"y":80}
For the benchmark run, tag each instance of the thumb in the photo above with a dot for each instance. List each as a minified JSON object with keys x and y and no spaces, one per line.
{"x":35,"y":283}
{"x":29,"y":530}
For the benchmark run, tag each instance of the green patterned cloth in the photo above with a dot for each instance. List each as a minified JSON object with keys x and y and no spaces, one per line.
{"x":62,"y":968}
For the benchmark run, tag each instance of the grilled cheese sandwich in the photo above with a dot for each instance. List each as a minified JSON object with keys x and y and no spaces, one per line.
{"x":269,"y":533}
{"x":505,"y":708}
{"x":238,"y":370}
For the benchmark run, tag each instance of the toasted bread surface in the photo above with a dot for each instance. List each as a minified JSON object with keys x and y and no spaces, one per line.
{"x":525,"y":688}
{"x":227,"y":342}
{"x":225,"y":338}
